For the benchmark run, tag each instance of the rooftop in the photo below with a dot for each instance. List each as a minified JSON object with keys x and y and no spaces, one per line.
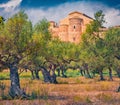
{"x":81,"y":14}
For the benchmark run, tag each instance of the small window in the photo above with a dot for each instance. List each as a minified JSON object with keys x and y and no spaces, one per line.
{"x":74,"y":39}
{"x":74,"y":27}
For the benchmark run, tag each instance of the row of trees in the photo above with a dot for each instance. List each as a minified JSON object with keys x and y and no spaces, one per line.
{"x":24,"y":46}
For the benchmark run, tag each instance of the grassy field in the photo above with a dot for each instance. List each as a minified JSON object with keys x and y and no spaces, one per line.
{"x":74,"y":90}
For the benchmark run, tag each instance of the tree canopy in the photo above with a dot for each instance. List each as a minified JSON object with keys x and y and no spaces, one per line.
{"x":25,"y":46}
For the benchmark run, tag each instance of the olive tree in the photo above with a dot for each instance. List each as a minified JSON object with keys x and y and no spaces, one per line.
{"x":92,"y":45}
{"x":14,"y":47}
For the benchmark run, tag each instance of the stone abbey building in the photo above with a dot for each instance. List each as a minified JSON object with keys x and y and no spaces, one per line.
{"x":71,"y":27}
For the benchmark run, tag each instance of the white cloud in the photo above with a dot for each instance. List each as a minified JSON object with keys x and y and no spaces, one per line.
{"x":10,"y":5}
{"x":56,"y":13}
{"x":112,"y":15}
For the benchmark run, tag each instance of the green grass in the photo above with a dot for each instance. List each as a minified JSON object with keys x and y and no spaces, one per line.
{"x":72,"y":73}
{"x":25,"y":75}
{"x":4,"y":75}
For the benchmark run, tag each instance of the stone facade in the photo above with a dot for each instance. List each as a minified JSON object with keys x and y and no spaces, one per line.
{"x":71,"y":27}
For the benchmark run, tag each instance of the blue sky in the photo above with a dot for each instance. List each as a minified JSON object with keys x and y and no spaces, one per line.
{"x":58,"y":9}
{"x":49,"y":3}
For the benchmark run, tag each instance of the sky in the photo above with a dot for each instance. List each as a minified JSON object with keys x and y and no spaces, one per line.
{"x":55,"y":10}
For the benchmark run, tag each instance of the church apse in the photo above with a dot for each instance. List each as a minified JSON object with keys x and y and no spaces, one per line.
{"x":71,"y":27}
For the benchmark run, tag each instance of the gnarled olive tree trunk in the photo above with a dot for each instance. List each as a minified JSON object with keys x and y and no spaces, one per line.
{"x":58,"y":70}
{"x":63,"y":71}
{"x":15,"y":90}
{"x":47,"y":77}
{"x":53,"y":77}
{"x":101,"y":75}
{"x":81,"y":71}
{"x":110,"y":74}
{"x":37,"y":74}
{"x":118,"y":71}
{"x":32,"y":74}
{"x":87,"y":71}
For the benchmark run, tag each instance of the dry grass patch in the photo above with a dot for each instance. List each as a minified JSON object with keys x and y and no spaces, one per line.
{"x":68,"y":91}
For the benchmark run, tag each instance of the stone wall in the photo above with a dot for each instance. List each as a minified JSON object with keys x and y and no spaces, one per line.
{"x":71,"y":27}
